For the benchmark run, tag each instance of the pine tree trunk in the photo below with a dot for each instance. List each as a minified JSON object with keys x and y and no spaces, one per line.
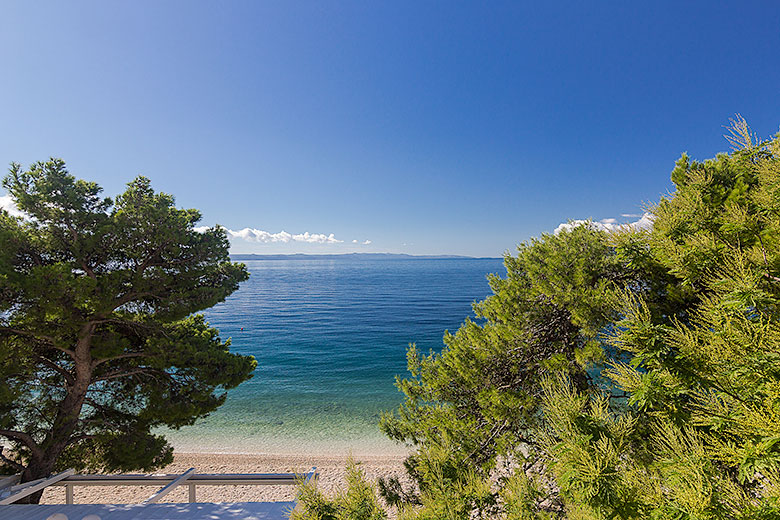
{"x":44,"y":465}
{"x":64,"y":426}
{"x":37,"y":468}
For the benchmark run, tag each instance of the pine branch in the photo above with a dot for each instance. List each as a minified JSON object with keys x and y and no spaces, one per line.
{"x":50,"y":341}
{"x":54,"y":366}
{"x":24,"y":438}
{"x":100,"y":361}
{"x":116,"y":374}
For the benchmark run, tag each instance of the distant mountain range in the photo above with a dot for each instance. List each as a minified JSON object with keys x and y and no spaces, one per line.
{"x":355,"y":256}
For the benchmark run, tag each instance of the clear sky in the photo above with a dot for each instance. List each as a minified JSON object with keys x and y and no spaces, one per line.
{"x":422,"y":127}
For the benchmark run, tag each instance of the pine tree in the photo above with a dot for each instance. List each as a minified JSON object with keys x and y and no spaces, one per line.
{"x":99,"y":343}
{"x":701,"y":429}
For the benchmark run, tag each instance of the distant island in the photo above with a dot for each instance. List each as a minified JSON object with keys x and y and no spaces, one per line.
{"x":357,"y":256}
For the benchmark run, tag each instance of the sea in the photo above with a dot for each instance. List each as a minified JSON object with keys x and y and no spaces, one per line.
{"x":330,"y":337}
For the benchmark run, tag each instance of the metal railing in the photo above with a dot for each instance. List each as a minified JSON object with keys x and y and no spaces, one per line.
{"x":169,"y":482}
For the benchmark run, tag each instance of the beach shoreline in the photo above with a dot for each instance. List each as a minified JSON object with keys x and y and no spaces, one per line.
{"x":331,"y":469}
{"x":229,"y":441}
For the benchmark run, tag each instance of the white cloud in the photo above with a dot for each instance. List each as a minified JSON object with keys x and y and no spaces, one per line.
{"x":609,"y":224}
{"x":7,"y":203}
{"x":265,"y":237}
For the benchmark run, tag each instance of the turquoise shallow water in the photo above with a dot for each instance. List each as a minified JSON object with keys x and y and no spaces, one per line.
{"x":329,"y":337}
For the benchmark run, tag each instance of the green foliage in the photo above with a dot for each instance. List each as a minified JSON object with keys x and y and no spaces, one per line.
{"x":522,"y":495}
{"x":99,"y":340}
{"x":358,"y":501}
{"x":702,"y":428}
{"x":585,"y":444}
{"x":480,"y":396}
{"x":684,"y":422}
{"x":448,"y":491}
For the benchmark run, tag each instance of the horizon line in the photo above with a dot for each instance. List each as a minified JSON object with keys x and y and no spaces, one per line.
{"x":355,"y":253}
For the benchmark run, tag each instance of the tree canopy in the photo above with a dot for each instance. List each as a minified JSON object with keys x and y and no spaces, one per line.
{"x":100,"y":342}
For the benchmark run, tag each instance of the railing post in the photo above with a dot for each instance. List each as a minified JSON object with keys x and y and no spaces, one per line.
{"x":167,"y":489}
{"x":69,"y":494}
{"x":192,"y":493}
{"x":22,"y":490}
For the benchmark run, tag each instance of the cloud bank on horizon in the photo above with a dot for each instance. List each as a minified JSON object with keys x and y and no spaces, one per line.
{"x":266,"y":237}
{"x":645,"y":221}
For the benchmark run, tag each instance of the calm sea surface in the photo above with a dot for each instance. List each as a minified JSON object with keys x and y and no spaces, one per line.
{"x":329,"y":337}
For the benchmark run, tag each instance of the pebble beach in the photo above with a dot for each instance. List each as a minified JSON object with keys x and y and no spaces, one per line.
{"x":330,"y":469}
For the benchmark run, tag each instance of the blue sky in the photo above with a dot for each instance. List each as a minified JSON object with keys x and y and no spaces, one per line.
{"x":422,"y":127}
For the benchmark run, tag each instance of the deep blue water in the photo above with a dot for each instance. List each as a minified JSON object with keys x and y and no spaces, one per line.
{"x":329,"y":337}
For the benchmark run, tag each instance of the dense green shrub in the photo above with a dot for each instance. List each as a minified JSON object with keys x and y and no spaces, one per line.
{"x":359,"y":501}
